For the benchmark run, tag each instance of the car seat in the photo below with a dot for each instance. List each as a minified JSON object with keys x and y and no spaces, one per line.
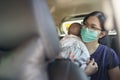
{"x":28,"y":40}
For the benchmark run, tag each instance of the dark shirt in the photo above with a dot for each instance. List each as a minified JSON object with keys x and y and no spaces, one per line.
{"x":106,"y":59}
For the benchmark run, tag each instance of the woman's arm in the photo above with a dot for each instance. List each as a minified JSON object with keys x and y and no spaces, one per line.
{"x":114,"y":73}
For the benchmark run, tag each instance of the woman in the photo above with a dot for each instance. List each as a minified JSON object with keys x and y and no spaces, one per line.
{"x":74,"y":48}
{"x":106,"y":58}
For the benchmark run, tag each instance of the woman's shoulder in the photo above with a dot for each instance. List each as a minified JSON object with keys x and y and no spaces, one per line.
{"x":101,"y":48}
{"x":111,"y":57}
{"x":106,"y":48}
{"x":110,"y":53}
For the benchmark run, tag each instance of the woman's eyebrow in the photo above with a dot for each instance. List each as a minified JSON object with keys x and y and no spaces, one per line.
{"x":93,"y":24}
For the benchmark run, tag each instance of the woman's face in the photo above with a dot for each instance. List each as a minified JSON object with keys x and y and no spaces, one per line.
{"x":93,"y":23}
{"x":91,"y":30}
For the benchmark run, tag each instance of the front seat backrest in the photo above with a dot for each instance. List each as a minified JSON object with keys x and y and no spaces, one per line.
{"x":18,"y":24}
{"x":26,"y":59}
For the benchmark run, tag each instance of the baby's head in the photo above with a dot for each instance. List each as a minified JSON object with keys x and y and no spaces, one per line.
{"x":74,"y":29}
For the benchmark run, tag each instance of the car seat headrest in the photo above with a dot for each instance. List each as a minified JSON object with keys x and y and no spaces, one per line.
{"x":16,"y":23}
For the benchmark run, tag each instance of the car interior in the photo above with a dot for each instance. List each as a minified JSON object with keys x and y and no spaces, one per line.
{"x":36,"y":26}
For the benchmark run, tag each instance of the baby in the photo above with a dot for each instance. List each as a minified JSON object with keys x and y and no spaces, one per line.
{"x":73,"y":47}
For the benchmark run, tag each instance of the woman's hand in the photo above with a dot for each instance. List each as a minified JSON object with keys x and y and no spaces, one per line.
{"x":91,"y":67}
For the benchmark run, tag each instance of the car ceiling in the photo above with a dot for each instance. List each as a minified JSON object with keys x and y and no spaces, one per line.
{"x":61,"y":8}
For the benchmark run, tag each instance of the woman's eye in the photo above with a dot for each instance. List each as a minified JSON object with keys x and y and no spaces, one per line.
{"x":93,"y":27}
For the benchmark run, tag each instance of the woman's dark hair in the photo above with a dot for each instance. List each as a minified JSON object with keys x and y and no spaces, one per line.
{"x":100,"y":15}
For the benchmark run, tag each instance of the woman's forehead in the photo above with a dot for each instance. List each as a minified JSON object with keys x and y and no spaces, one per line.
{"x":93,"y":20}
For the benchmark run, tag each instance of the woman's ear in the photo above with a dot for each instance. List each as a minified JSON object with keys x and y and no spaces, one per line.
{"x":102,"y":34}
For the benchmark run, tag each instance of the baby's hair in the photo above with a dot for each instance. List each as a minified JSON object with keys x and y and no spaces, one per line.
{"x":74,"y":29}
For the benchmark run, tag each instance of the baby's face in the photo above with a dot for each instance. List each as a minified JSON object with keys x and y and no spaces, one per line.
{"x":75,"y":29}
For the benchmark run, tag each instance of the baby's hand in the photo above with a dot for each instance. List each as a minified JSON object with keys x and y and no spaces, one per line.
{"x":71,"y":56}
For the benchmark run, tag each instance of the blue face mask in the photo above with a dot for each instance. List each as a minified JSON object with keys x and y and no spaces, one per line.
{"x":88,"y":35}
